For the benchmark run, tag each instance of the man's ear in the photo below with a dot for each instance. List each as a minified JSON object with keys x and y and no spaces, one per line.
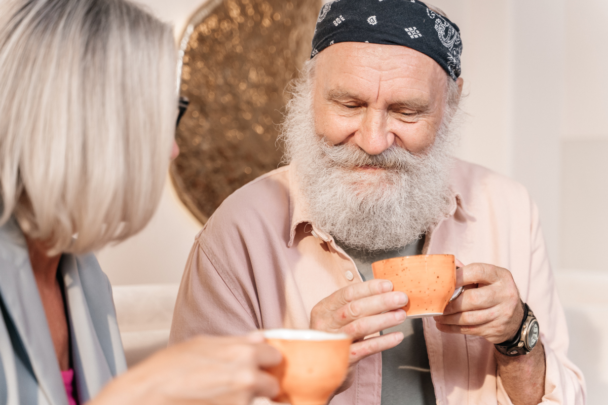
{"x":460,"y":83}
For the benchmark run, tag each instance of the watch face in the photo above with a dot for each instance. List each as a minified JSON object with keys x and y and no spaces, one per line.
{"x":532,"y":337}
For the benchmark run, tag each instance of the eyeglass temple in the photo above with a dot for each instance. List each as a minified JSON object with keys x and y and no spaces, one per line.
{"x":182,"y":106}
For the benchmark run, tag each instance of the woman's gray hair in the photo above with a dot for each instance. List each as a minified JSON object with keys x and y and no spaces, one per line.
{"x":88,"y":103}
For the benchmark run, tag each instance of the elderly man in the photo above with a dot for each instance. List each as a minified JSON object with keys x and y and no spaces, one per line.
{"x":368,"y":135}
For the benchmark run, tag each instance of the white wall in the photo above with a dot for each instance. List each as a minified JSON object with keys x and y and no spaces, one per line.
{"x":537,"y":87}
{"x":176,"y":12}
{"x":512,"y":67}
{"x":584,"y":120}
{"x":485,"y":137}
{"x":585,"y":114}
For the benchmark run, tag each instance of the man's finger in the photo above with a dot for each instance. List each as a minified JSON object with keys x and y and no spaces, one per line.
{"x":374,"y":324}
{"x":368,"y":306}
{"x":479,"y":273}
{"x":490,"y":331}
{"x":367,"y":347}
{"x":476,"y":330}
{"x":473,"y":299}
{"x":471,"y":318}
{"x":356,"y":292}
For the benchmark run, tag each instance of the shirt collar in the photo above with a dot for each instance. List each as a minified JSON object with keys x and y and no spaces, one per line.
{"x":298,"y":209}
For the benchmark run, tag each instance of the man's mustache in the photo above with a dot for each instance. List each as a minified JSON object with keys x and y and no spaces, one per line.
{"x":351,"y":156}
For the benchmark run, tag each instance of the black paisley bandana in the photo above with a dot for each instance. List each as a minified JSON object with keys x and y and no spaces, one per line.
{"x":391,"y":22}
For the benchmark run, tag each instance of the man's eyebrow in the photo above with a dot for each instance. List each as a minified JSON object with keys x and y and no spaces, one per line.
{"x":413,"y":104}
{"x":337,"y":94}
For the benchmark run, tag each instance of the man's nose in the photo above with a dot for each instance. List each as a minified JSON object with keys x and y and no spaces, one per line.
{"x":373,"y":135}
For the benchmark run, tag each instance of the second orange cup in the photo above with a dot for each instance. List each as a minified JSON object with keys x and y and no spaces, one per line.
{"x":314,"y":364}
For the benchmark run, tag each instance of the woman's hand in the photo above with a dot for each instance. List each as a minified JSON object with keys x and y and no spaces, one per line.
{"x":205,"y":370}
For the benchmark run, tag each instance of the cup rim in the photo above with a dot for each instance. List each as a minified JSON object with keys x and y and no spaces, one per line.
{"x":303,"y":334}
{"x":417,"y":257}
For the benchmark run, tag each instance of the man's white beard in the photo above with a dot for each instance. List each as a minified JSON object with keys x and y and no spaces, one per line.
{"x":368,"y":210}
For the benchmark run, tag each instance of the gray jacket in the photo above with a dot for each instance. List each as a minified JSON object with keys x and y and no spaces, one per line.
{"x":29,"y":371}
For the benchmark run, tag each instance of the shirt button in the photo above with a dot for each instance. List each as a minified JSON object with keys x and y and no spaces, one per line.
{"x":349,"y":276}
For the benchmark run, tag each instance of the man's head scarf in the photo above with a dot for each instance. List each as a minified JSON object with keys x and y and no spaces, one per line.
{"x":407,"y":23}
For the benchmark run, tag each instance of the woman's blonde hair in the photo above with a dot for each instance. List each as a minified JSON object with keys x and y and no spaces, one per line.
{"x":88,"y":102}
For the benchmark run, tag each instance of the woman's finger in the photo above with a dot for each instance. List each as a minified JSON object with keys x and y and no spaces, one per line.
{"x":256,"y":336}
{"x":267,"y":356}
{"x":266,"y":385}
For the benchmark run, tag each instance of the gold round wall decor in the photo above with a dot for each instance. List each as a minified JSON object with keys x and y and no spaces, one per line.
{"x":238,"y":57}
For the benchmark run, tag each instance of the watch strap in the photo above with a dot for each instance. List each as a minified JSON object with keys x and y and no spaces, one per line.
{"x":515,"y":346}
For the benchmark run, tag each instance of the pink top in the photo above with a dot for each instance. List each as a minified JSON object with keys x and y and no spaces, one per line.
{"x":258,"y":264}
{"x":68,"y":381}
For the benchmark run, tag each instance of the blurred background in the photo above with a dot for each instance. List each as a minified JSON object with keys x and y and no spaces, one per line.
{"x":537,"y":105}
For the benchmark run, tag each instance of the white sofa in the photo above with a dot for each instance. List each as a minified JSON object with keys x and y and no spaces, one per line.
{"x":145,"y":313}
{"x":144,"y":316}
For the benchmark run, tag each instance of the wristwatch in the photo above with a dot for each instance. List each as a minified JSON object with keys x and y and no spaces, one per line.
{"x":525,"y":339}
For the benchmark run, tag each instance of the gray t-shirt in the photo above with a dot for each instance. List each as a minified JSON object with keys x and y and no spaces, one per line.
{"x":406,"y":374}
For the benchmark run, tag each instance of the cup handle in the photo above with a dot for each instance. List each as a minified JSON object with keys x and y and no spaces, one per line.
{"x":457,"y":293}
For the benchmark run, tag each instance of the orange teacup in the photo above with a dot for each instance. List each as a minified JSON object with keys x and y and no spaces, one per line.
{"x":314,"y":364}
{"x":428,"y":280}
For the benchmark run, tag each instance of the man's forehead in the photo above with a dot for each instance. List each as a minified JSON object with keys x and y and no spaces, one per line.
{"x":343,"y":66}
{"x":380,"y":51}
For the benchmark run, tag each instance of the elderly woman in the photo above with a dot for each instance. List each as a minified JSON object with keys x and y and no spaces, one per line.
{"x":87,"y":112}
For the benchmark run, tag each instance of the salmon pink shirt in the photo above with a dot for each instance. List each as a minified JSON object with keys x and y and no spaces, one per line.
{"x":261,"y":262}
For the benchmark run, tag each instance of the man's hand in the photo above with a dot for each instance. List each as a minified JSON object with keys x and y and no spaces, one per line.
{"x":205,"y":370}
{"x":492,"y":311}
{"x":361,"y":310}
